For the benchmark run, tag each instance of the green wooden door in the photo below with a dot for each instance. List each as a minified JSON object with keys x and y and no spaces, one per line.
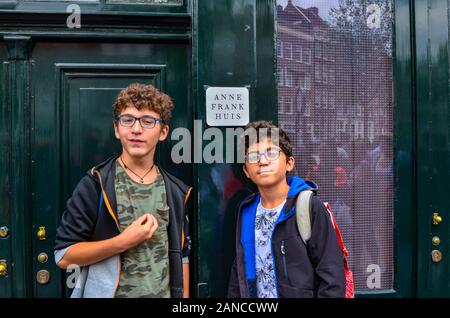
{"x":433,"y":146}
{"x":241,"y":53}
{"x":68,"y":128}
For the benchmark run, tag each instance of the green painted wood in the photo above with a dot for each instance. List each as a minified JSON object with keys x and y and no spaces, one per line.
{"x":433,"y":146}
{"x":57,"y":107}
{"x":73,"y":121}
{"x":19,"y":50}
{"x":405,"y":217}
{"x":232,"y":45}
{"x":240,"y":53}
{"x":422,"y":80}
{"x":6,"y":284}
{"x":225,"y":59}
{"x":103,"y":6}
{"x":265,"y":50}
{"x":96,"y":27}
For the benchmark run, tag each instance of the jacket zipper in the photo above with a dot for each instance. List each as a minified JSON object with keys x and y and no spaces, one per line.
{"x":108,"y":207}
{"x":273,"y":256}
{"x":283,"y":257}
{"x":272,"y":247}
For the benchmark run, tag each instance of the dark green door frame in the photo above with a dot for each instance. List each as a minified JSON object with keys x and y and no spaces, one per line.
{"x":405,"y":217}
{"x":31,"y":171}
{"x":433,"y":143}
{"x":16,"y":189}
{"x":233,"y":44}
{"x":212,"y":59}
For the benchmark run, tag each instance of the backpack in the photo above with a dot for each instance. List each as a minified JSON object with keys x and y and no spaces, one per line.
{"x":303,"y":207}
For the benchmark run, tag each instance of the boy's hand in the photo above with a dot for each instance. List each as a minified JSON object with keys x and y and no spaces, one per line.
{"x":139,"y":231}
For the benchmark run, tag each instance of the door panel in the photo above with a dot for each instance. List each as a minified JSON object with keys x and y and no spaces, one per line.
{"x":73,"y":89}
{"x":86,"y":94}
{"x":433,"y":145}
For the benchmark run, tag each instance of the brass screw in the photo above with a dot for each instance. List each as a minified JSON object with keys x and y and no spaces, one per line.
{"x":42,"y":258}
{"x":4,"y":232}
{"x":436,"y":240}
{"x":3,"y":268}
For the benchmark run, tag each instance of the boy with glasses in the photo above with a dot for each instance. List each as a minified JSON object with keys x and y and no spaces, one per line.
{"x":271,"y":259}
{"x":126,"y":223}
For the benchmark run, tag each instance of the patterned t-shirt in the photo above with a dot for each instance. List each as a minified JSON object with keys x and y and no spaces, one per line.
{"x":265,"y":271}
{"x":145,"y":267}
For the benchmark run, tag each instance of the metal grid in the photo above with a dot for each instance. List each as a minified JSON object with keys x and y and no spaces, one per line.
{"x":335,"y":102}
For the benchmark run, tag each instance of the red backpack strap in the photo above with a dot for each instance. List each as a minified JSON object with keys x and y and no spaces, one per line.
{"x":350,"y":288}
{"x":336,"y":229}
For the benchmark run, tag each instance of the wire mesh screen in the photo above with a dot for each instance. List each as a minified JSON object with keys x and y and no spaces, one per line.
{"x":335,"y":102}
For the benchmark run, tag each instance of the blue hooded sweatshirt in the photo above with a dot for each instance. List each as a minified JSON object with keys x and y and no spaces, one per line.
{"x":296,"y":185}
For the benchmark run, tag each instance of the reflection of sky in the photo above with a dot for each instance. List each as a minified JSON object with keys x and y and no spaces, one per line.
{"x":323,"y":5}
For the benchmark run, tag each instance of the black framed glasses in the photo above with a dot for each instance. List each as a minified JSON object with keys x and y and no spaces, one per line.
{"x":270,"y":153}
{"x":146,"y":121}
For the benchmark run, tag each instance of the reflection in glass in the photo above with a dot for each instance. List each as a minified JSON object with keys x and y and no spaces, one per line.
{"x":335,"y":102}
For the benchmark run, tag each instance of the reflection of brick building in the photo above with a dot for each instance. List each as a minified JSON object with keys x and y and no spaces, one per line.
{"x":332,"y":85}
{"x":335,"y":101}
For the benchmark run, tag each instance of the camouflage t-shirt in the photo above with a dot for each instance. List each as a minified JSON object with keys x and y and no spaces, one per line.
{"x":145,"y":268}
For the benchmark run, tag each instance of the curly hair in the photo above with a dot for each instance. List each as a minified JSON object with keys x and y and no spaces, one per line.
{"x":284,"y":141}
{"x":144,"y":97}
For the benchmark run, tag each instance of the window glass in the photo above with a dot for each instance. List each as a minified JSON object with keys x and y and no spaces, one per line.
{"x":339,"y":83}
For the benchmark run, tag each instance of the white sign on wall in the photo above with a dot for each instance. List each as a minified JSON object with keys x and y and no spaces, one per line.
{"x":227,"y":106}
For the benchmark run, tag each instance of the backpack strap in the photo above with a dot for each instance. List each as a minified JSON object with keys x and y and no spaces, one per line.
{"x":302,"y":210}
{"x":336,"y":229}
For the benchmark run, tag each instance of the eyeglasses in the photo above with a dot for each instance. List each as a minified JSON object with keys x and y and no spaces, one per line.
{"x":146,"y":121}
{"x":270,"y":154}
